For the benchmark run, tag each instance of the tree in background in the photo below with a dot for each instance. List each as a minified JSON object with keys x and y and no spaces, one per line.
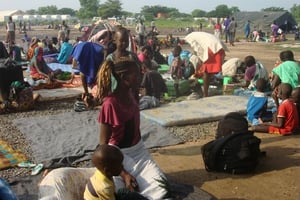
{"x":111,"y":8}
{"x":47,"y":10}
{"x":66,"y":11}
{"x":154,"y":10}
{"x":295,"y":11}
{"x":198,"y":13}
{"x":89,"y":9}
{"x":30,"y":12}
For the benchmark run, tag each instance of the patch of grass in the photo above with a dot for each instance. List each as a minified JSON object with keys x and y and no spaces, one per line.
{"x":176,"y":23}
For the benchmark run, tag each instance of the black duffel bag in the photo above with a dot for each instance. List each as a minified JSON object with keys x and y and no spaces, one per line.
{"x":10,"y":71}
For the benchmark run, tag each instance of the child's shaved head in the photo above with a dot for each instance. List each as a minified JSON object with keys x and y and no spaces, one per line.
{"x":108,"y":159}
{"x":285,"y":90}
{"x":261,"y":84}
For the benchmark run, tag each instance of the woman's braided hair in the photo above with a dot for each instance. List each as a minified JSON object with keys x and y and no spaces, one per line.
{"x":109,"y":68}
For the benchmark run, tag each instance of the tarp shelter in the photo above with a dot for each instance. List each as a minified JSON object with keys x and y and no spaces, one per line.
{"x":263,"y":20}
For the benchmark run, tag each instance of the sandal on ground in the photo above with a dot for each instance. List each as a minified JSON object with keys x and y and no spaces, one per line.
{"x":26,"y":164}
{"x":79,"y":106}
{"x":37,"y":169}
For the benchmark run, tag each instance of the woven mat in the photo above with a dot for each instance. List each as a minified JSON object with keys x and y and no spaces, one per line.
{"x":8,"y":156}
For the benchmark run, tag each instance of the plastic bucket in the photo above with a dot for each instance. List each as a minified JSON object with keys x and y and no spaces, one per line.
{"x":227,"y":80}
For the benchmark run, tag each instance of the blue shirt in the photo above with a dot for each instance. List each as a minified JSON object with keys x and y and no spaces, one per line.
{"x":257,"y":103}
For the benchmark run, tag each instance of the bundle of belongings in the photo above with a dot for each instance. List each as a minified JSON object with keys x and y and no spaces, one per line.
{"x":15,"y":93}
{"x":235,"y":149}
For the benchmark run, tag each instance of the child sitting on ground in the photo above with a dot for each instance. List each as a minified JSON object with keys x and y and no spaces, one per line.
{"x":257,"y":105}
{"x":287,"y":121}
{"x":153,"y":82}
{"x":108,"y":161}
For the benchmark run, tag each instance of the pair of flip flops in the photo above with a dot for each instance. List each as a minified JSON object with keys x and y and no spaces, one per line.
{"x":79,"y":106}
{"x":36,"y":168}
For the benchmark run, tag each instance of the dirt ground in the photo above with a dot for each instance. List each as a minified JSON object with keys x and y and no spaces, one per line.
{"x":277,"y":176}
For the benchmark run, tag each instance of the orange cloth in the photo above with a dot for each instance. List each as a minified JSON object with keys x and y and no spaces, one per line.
{"x":214,"y":62}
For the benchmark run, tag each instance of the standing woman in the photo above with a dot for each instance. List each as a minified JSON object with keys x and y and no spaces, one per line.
{"x":122,"y":42}
{"x":247,"y":30}
{"x":211,"y":66}
{"x":119,"y":120}
{"x":11,"y":31}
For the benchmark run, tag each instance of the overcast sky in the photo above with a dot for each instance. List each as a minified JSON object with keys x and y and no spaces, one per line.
{"x":185,"y":6}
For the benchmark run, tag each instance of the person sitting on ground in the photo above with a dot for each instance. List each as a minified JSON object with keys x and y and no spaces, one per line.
{"x":39,"y":68}
{"x":257,"y":105}
{"x":188,"y":68}
{"x":287,"y":121}
{"x":108,"y":162}
{"x":153,"y":82}
{"x":254,"y":71}
{"x":64,"y":56}
{"x":176,"y":68}
{"x":288,"y":71}
{"x":50,"y":48}
{"x":145,"y":54}
{"x":119,"y":120}
{"x":33,"y":44}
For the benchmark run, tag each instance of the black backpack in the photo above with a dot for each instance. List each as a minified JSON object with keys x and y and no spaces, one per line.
{"x":236,"y":153}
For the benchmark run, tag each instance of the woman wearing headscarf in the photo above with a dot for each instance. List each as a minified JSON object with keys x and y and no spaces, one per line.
{"x":38,"y":67}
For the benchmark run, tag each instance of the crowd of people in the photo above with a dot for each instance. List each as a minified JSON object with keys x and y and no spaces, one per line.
{"x":114,"y":80}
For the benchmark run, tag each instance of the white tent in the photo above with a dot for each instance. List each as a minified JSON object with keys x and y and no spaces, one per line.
{"x":66,"y":17}
{"x":38,"y":17}
{"x":56,"y":17}
{"x":28,"y":17}
{"x":17,"y":17}
{"x":47,"y":17}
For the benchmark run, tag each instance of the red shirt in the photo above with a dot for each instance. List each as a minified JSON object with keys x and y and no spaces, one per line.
{"x":123,"y":119}
{"x":218,"y":26}
{"x":287,"y":109}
